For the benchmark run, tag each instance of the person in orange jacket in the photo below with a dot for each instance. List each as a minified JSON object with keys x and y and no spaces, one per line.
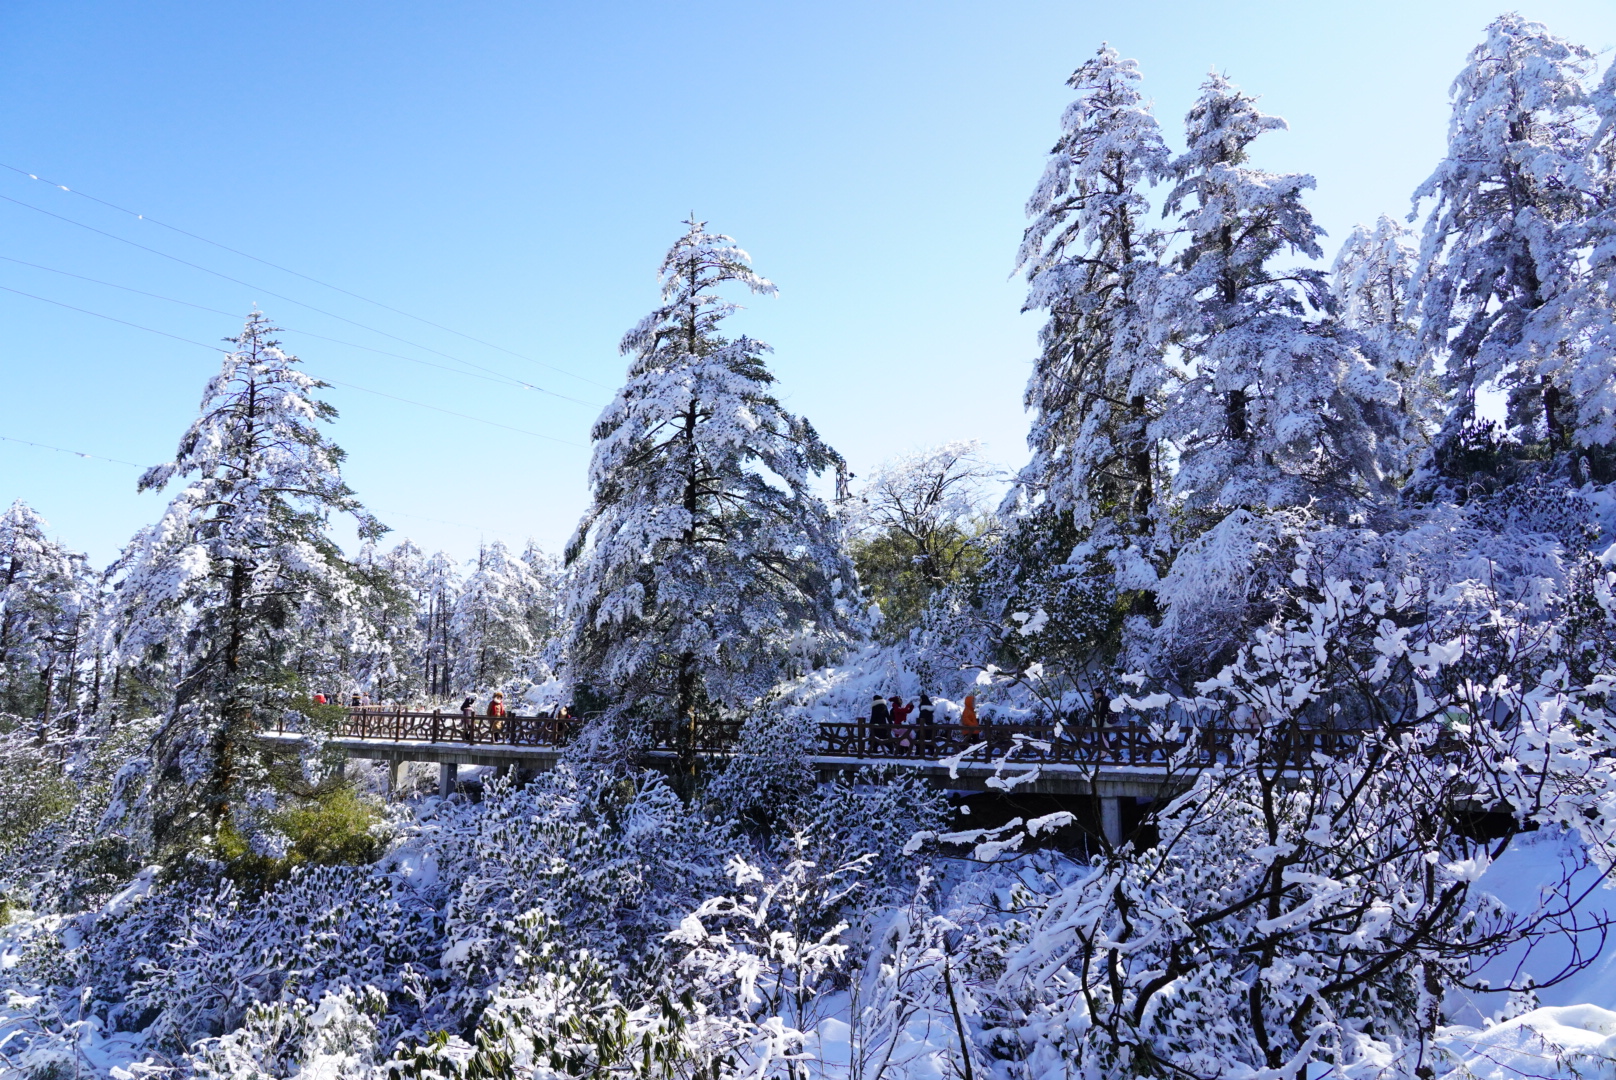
{"x":496,"y":704}
{"x":970,"y":726}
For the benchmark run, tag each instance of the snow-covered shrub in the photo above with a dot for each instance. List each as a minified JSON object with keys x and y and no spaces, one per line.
{"x":615,"y":861}
{"x":187,"y":961}
{"x":769,"y":773}
{"x":1315,"y":906}
{"x":55,"y":795}
{"x":558,"y":1014}
{"x":334,"y":1040}
{"x":766,"y":952}
{"x":869,"y":816}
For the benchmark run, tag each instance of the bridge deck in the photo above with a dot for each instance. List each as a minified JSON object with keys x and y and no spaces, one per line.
{"x":1120,"y":761}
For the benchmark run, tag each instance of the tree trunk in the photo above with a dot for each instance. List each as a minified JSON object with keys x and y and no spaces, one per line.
{"x":1139,"y":459}
{"x":1235,"y":414}
{"x":1552,"y":420}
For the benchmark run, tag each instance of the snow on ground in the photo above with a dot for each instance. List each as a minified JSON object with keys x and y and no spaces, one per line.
{"x":1520,"y":879}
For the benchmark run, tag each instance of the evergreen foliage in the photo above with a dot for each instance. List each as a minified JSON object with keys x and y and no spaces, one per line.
{"x":1092,"y":263}
{"x":1278,"y":405}
{"x":1499,"y":258}
{"x":704,"y":564}
{"x":239,"y":583}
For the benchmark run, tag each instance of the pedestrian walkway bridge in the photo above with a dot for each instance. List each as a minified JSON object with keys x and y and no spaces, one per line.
{"x":1123,"y":761}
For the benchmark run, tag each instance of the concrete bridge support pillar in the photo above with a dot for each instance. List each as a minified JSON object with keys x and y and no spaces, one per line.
{"x":1111,"y":820}
{"x":395,"y":771}
{"x":446,"y":778}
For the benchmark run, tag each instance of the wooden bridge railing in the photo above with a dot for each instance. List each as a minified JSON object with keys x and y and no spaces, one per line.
{"x":1123,"y":744}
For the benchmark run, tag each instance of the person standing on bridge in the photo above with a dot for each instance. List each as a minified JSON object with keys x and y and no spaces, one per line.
{"x":880,"y":722}
{"x":970,"y":727}
{"x":903,"y":734}
{"x":496,"y":710}
{"x":467,"y":706}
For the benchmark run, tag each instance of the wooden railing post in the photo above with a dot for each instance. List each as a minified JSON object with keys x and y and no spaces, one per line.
{"x":436,"y":733}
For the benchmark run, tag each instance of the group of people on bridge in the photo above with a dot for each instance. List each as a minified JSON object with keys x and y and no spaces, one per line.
{"x":890,"y":724}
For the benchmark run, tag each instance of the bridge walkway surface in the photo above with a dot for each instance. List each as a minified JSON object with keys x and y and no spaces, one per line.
{"x":1112,"y":763}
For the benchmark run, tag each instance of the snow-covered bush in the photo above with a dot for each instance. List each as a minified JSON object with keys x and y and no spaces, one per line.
{"x":615,"y":861}
{"x":188,"y":960}
{"x":1311,"y":897}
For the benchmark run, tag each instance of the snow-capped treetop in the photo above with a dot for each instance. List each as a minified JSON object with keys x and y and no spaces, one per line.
{"x":257,"y":435}
{"x":1372,"y":279}
{"x":1592,"y":379}
{"x":1109,"y":147}
{"x":704,"y":550}
{"x":46,"y":593}
{"x":1089,"y":260}
{"x":266,"y":481}
{"x":1278,"y":405}
{"x":696,"y":265}
{"x":1373,"y":283}
{"x":1238,"y":217}
{"x":1499,"y":244}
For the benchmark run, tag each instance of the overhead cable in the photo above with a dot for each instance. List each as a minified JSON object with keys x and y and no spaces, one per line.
{"x":332,"y":382}
{"x":75,"y":453}
{"x":267,"y":292}
{"x":119,"y":461}
{"x":305,"y":277}
{"x":495,"y":378}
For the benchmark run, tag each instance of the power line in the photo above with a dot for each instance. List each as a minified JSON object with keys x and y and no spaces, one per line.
{"x":463,"y":416}
{"x":332,"y":382}
{"x":501,"y":379}
{"x":267,"y":292}
{"x":133,"y":465}
{"x":109,"y":318}
{"x":75,"y":453}
{"x":305,"y":277}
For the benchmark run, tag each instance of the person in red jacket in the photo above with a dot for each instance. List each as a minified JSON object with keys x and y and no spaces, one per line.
{"x":902,"y":734}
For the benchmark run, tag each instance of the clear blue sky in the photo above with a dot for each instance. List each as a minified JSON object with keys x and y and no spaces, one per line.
{"x":515,"y":170}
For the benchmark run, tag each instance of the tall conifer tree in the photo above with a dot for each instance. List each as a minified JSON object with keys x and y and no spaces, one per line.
{"x":704,"y":556}
{"x":1279,"y":406}
{"x":238,"y":581}
{"x":1090,"y":262}
{"x":1499,"y":258}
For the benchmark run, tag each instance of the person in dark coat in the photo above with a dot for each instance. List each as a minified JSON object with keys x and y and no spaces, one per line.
{"x":467,"y":706}
{"x":880,"y":722}
{"x":925,"y":717}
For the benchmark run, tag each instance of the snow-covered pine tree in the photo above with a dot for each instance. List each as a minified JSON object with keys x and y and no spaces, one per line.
{"x":1278,"y":406}
{"x":1090,"y":261}
{"x":493,"y":634}
{"x":1592,"y":380}
{"x":1373,"y":279}
{"x":1499,"y":253}
{"x":544,"y":604}
{"x":240,"y":580}
{"x":704,"y":557}
{"x":391,"y":596}
{"x":47,"y":596}
{"x":440,"y":592}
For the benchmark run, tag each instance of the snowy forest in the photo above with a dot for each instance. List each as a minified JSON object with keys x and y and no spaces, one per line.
{"x":1275,"y":493}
